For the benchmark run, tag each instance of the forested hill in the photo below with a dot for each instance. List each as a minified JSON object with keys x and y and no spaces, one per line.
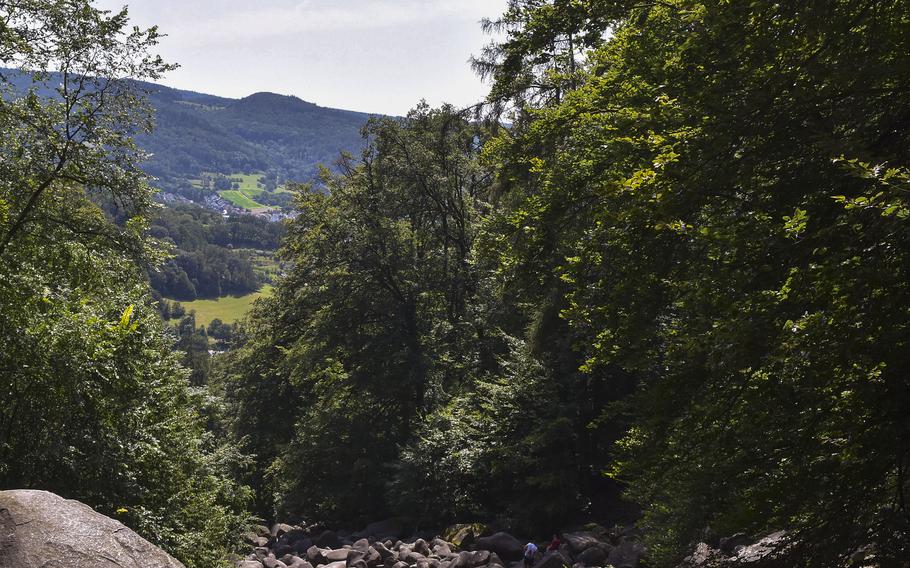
{"x":197,"y":133}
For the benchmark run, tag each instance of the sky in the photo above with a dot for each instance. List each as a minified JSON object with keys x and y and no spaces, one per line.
{"x":378,"y":56}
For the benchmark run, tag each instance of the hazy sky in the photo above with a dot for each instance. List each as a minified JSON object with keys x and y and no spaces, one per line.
{"x":367,"y":55}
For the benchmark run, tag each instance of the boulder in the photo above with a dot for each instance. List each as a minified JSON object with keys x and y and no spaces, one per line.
{"x":294,"y":536}
{"x":384,"y":552}
{"x":38,"y":528}
{"x":314,"y":555}
{"x":328,"y":539}
{"x":338,"y":564}
{"x":463,"y":559}
{"x":382,"y":530}
{"x":462,"y":536}
{"x":299,"y":563}
{"x":421,"y":546}
{"x":411,"y":556}
{"x":505,"y":545}
{"x":249,"y":564}
{"x":553,"y":560}
{"x":279,"y":529}
{"x":764,"y":549}
{"x":361,"y":544}
{"x":301,"y":546}
{"x":481,"y":557}
{"x":339,"y":554}
{"x":441,"y":548}
{"x":578,"y":542}
{"x":626,"y":554}
{"x":594,"y":555}
{"x":728,"y":545}
{"x":704,"y":557}
{"x":262,"y":530}
{"x":273,"y":562}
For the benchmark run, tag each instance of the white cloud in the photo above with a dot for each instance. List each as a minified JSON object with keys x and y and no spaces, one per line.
{"x":319,"y":16}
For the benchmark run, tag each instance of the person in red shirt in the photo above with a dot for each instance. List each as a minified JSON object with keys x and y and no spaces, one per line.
{"x":554,"y":544}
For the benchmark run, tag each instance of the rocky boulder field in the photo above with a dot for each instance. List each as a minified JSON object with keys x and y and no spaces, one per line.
{"x":384,"y":545}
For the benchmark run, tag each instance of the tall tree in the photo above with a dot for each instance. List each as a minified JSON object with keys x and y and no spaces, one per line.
{"x":94,"y":405}
{"x":724,"y":200}
{"x":378,"y":293}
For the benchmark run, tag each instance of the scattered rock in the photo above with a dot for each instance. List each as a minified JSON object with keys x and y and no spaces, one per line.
{"x":421,"y":546}
{"x":339,"y":554}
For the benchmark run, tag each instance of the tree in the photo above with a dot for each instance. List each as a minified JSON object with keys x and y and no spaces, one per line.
{"x":722,"y":200}
{"x":77,"y":132}
{"x":95,"y":405}
{"x":379,"y":289}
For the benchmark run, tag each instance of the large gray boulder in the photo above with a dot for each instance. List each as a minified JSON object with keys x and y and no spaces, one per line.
{"x":578,"y":542}
{"x":505,"y":545}
{"x":553,"y":560}
{"x":38,"y":528}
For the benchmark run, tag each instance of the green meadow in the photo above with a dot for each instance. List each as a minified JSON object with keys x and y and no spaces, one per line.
{"x":228,"y":308}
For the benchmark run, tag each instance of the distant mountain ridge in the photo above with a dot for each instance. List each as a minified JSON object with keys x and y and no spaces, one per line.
{"x":263,"y":132}
{"x":266,"y":132}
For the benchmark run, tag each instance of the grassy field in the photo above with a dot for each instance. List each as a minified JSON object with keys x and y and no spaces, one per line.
{"x":239,"y":199}
{"x":228,"y":309}
{"x":247,"y":192}
{"x":248,"y":182}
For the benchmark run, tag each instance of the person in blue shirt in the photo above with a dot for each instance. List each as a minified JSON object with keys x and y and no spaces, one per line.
{"x":530,"y":554}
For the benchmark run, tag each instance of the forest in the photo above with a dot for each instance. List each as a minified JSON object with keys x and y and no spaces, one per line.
{"x":210,"y":256}
{"x":659,"y":277}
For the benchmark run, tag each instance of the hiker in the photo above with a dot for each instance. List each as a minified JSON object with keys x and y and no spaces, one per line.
{"x":530,"y":554}
{"x":554,"y":544}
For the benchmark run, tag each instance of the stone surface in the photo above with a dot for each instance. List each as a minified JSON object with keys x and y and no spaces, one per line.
{"x":38,"y":529}
{"x":505,"y":545}
{"x":578,"y":542}
{"x":763,"y":549}
{"x":389,"y":528}
{"x":594,"y":555}
{"x":553,"y":560}
{"x":626,"y":554}
{"x":328,"y":539}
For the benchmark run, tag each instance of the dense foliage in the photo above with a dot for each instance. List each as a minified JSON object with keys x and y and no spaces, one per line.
{"x":208,"y":257}
{"x":695,"y":241}
{"x":669,"y":256}
{"x":386,"y":342}
{"x":93,"y":403}
{"x":724,"y":200}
